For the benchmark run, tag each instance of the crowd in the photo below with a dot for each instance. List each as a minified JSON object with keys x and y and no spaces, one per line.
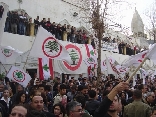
{"x":22,"y":24}
{"x":124,"y":48}
{"x":78,"y":98}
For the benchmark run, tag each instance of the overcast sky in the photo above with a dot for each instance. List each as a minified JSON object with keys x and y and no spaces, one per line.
{"x":141,"y":6}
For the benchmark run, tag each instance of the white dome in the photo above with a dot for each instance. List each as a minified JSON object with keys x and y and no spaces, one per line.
{"x":137,"y":23}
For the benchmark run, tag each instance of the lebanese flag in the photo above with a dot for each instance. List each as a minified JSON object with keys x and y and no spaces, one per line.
{"x":46,"y":45}
{"x":19,"y":76}
{"x":91,"y":54}
{"x":91,"y":70}
{"x":46,"y":70}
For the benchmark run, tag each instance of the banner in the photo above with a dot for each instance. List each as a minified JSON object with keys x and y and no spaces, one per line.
{"x":4,"y":8}
{"x":110,"y":47}
{"x":76,"y":65}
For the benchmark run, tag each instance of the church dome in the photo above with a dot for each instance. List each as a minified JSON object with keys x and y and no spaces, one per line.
{"x":137,"y":25}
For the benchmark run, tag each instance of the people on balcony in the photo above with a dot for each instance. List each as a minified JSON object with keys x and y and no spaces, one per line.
{"x":22,"y":24}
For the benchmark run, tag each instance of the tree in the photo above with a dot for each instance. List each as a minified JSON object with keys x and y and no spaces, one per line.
{"x":6,"y":51}
{"x":97,"y":13}
{"x":151,"y":14}
{"x":2,"y":76}
{"x":74,"y":56}
{"x":46,"y":68}
{"x":19,"y":75}
{"x":52,"y":45}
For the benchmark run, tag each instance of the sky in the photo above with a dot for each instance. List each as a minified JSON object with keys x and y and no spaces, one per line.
{"x":127,"y":13}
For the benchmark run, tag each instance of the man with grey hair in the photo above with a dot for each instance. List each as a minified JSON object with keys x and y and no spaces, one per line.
{"x":74,"y":109}
{"x":150,"y":97}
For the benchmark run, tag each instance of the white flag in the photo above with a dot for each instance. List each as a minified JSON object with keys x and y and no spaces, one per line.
{"x":19,"y":76}
{"x":4,"y":8}
{"x":103,"y":65}
{"x":152,"y":53}
{"x":46,"y":45}
{"x":8,"y":55}
{"x":110,"y":68}
{"x":135,"y":60}
{"x":121,"y":69}
{"x":143,"y":73}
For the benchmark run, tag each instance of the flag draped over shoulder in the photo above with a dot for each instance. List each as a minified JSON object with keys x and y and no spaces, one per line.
{"x":19,"y":76}
{"x":46,"y":45}
{"x":45,"y":68}
{"x":4,"y":8}
{"x":8,"y":55}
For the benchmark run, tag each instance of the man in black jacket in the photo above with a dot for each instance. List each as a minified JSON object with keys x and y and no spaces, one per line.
{"x":107,"y":107}
{"x":92,"y":104}
{"x":38,"y":104}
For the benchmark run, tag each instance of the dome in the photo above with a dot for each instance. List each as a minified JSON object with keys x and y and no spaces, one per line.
{"x":137,"y":25}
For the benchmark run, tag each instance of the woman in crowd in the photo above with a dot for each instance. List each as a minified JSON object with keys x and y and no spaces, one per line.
{"x":5,"y":99}
{"x":21,"y":97}
{"x":10,"y":92}
{"x":59,"y":110}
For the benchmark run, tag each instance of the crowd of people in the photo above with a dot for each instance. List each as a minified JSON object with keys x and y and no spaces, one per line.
{"x":84,"y":97}
{"x":124,"y":48}
{"x":22,"y":24}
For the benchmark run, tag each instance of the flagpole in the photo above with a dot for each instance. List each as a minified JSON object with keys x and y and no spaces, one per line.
{"x":130,"y":78}
{"x":4,"y":68}
{"x":28,"y":54}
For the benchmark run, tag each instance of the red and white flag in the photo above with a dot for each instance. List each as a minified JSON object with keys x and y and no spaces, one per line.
{"x":91,"y":61}
{"x":111,"y":69}
{"x":19,"y":76}
{"x":135,"y":60}
{"x":46,"y":70}
{"x":46,"y":45}
{"x":121,"y":69}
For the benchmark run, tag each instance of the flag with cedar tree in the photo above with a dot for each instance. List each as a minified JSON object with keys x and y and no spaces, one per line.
{"x":46,"y":45}
{"x":19,"y":76}
{"x":45,"y":68}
